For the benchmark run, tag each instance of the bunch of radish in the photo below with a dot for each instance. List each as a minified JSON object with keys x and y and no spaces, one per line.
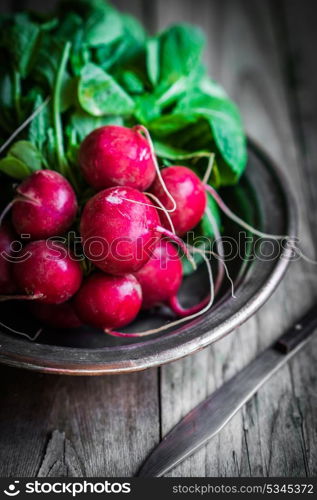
{"x":131,"y":231}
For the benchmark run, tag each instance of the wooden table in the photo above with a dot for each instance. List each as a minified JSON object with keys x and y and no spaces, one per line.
{"x":263,"y":52}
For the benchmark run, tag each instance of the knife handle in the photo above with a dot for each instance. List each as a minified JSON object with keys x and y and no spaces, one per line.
{"x":298,"y":332}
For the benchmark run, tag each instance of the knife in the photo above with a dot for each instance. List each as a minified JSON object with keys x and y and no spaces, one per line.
{"x":209,"y":417}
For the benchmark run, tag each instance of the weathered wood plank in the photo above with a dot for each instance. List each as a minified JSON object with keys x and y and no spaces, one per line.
{"x":101,"y":426}
{"x":265,"y":438}
{"x":58,"y":426}
{"x":61,"y":426}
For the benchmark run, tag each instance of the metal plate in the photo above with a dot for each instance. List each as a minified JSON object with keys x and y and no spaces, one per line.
{"x":264,"y":196}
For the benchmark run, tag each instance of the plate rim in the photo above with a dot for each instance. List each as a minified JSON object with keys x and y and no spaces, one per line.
{"x":192,"y":345}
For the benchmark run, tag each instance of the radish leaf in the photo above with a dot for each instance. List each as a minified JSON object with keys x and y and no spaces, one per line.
{"x":99,"y":94}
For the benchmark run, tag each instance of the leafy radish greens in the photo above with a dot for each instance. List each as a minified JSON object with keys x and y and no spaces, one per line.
{"x":99,"y":66}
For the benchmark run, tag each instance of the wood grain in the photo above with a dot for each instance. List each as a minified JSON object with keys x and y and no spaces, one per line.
{"x":85,"y":426}
{"x":59,"y":426}
{"x":265,"y":438}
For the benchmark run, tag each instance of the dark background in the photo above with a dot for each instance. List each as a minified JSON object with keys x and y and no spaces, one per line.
{"x":264,"y":53}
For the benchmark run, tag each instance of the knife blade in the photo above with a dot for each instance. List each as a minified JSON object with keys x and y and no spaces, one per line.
{"x":210,"y":416}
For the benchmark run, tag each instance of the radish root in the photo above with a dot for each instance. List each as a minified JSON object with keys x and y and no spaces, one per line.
{"x":24,"y":124}
{"x":23,"y":334}
{"x":161,"y":207}
{"x":237,"y":219}
{"x":20,"y":197}
{"x":141,"y":128}
{"x":183,"y":312}
{"x":36,"y":296}
{"x":220,"y":250}
{"x":209,"y":168}
{"x":176,"y":239}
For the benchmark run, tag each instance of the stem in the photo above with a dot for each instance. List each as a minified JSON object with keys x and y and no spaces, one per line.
{"x":24,"y":124}
{"x":176,"y":239}
{"x":221,"y":260}
{"x":161,"y":207}
{"x":17,"y":92}
{"x":141,"y":128}
{"x":251,"y":229}
{"x":220,"y":250}
{"x":174,"y":303}
{"x":23,"y":333}
{"x":237,"y":219}
{"x":62,"y":162}
{"x":181,"y":311}
{"x":173,"y":92}
{"x":20,"y":197}
{"x":6,"y":210}
{"x":209,"y":168}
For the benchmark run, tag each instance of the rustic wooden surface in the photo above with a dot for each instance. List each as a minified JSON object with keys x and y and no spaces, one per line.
{"x":263,"y":52}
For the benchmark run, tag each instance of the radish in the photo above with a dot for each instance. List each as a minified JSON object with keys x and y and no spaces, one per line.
{"x":120,"y":229}
{"x":161,"y":278}
{"x":45,"y":206}
{"x":47,"y":272}
{"x":116,"y":156}
{"x":7,"y":284}
{"x":188,"y":192}
{"x":56,"y":315}
{"x":194,"y":312}
{"x":107,"y":301}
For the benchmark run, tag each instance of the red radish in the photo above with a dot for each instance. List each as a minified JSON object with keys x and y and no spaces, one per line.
{"x":45,"y":206}
{"x":120,"y":229}
{"x":161,"y":278}
{"x":188,"y":192}
{"x":186,"y":315}
{"x":107,"y":301}
{"x":47,"y":273}
{"x":117,"y":156}
{"x":56,"y":315}
{"x":7,"y":284}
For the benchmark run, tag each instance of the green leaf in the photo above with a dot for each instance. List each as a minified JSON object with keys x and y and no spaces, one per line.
{"x":80,"y":53}
{"x":6,"y":91}
{"x":83,"y":123}
{"x":21,"y":37}
{"x":51,"y":148}
{"x":14,"y":168}
{"x":22,"y":159}
{"x":48,"y":62}
{"x":203,"y":235}
{"x":226,"y":127}
{"x":131,"y":82}
{"x":133,"y":31}
{"x":6,"y":103}
{"x":68,"y":26}
{"x":100,"y":22}
{"x":169,"y":124}
{"x":180,"y":52}
{"x":212,"y":88}
{"x":180,"y":88}
{"x":165,"y":150}
{"x":121,"y":53}
{"x":68,"y":92}
{"x":27,"y":153}
{"x":153,"y":60}
{"x":99,"y":94}
{"x":103,"y":27}
{"x":205,"y":227}
{"x":146,"y":108}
